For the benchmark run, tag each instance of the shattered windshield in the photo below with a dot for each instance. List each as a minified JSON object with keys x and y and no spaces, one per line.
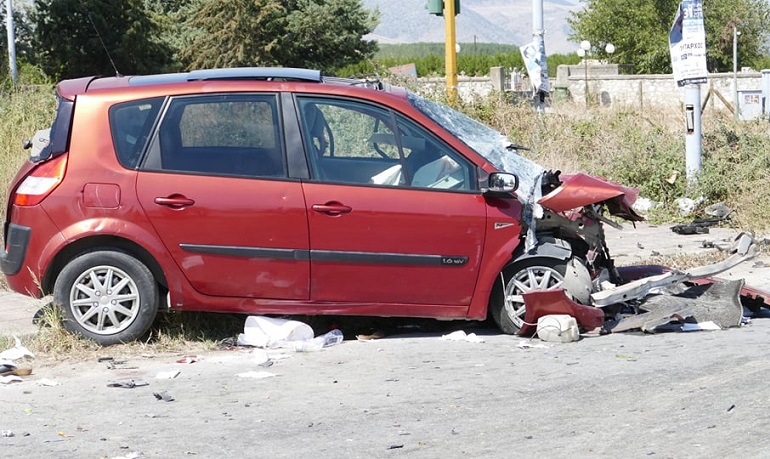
{"x":487,"y":142}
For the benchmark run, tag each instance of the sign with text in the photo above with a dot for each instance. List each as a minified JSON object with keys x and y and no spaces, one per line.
{"x":687,"y":43}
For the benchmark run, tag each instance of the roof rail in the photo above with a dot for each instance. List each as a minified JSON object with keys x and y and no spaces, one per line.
{"x":355,"y":81}
{"x":256,"y":73}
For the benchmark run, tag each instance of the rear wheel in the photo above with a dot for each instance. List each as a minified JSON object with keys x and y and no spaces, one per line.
{"x":107,"y":296}
{"x":507,"y":304}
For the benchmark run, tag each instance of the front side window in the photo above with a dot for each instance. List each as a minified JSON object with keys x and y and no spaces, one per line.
{"x":222,"y":134}
{"x":353,"y":142}
{"x":487,"y":142}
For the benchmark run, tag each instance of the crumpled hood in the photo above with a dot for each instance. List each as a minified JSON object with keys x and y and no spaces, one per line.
{"x":579,"y":190}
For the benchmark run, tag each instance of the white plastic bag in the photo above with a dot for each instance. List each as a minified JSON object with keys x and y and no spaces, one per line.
{"x":261,"y":331}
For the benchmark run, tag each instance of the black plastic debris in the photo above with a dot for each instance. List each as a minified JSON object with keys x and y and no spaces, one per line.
{"x":128,"y":384}
{"x":700,"y":225}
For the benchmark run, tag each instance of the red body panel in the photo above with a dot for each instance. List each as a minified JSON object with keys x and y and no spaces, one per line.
{"x":546,"y":302}
{"x":400,"y":222}
{"x":239,"y":214}
{"x":578,"y":190}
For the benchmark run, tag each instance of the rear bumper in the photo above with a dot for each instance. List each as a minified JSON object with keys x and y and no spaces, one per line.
{"x":17,"y":243}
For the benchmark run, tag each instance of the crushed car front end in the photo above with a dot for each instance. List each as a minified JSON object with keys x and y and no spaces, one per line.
{"x":563,"y":264}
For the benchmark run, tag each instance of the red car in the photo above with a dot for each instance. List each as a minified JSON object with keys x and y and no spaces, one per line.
{"x":279,"y":191}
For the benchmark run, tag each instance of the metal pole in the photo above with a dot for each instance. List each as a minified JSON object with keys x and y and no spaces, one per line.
{"x":450,"y":51}
{"x":735,"y":72}
{"x":538,"y":35}
{"x":11,"y":40}
{"x":585,"y":77}
{"x":766,"y":93}
{"x":693,"y":137}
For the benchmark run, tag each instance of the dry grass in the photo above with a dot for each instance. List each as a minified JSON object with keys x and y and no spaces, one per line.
{"x":684,"y":261}
{"x":188,"y":333}
{"x":646,"y":149}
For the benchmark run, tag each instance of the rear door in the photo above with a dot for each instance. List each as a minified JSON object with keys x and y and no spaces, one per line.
{"x":215,"y":188}
{"x":394,"y":215}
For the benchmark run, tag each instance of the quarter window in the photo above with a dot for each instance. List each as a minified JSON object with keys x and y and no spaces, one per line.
{"x":131,"y":123}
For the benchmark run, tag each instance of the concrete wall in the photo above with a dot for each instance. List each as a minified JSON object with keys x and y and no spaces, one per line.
{"x":610,"y":85}
{"x":607,"y":87}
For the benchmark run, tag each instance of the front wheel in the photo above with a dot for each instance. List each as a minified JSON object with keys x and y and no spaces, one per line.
{"x":107,"y":296}
{"x":507,"y":304}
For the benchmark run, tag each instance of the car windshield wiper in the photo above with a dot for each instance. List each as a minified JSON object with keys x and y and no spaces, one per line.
{"x":513,"y":146}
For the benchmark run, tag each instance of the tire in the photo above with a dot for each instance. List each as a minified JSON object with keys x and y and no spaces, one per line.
{"x":506,"y":304}
{"x":106,"y":315}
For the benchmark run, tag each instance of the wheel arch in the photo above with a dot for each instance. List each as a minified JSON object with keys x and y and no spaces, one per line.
{"x":109,"y":242}
{"x":547,"y":247}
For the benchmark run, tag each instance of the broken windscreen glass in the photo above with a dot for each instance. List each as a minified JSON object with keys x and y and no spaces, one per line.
{"x":497,"y":149}
{"x":487,"y":142}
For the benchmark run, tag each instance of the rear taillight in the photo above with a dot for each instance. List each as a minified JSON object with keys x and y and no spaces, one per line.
{"x":40,"y":182}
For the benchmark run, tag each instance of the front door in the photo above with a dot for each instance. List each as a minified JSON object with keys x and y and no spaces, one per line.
{"x":392,"y":211}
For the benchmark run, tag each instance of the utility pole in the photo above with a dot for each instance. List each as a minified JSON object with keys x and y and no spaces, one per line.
{"x":11,"y":40}
{"x":449,"y":9}
{"x":450,"y":51}
{"x":736,"y":32}
{"x":538,"y":36}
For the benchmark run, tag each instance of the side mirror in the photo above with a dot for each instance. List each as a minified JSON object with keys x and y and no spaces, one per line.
{"x":502,"y":183}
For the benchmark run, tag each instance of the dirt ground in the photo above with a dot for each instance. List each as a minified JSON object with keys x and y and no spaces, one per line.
{"x":698,"y":394}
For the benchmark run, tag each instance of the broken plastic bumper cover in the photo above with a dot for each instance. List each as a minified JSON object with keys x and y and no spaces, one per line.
{"x":743,"y":249}
{"x":643,"y":279}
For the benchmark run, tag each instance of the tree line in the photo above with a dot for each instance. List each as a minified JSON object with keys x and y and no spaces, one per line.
{"x":58,"y":39}
{"x":71,"y":38}
{"x":429,"y":59}
{"x":639,"y":30}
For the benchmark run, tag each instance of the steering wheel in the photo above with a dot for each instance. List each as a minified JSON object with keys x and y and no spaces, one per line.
{"x":376,"y":145}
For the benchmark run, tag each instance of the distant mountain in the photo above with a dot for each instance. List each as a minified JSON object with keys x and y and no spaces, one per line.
{"x":481,"y":21}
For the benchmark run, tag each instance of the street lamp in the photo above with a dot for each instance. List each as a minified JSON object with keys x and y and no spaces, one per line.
{"x":582,"y":52}
{"x":609,"y":49}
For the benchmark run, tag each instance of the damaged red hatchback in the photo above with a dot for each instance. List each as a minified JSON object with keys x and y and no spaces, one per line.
{"x":279,"y":191}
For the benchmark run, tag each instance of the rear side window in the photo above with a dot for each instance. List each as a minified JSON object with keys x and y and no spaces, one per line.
{"x":131,"y":124}
{"x":221,"y":134}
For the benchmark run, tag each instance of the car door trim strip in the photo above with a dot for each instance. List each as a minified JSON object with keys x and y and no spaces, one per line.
{"x":329,"y":255}
{"x":248,"y":252}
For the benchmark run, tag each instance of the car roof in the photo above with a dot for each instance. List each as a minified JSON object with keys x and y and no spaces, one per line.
{"x":73,"y":87}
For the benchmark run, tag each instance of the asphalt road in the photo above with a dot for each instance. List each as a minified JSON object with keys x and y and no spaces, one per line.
{"x":699,"y":394}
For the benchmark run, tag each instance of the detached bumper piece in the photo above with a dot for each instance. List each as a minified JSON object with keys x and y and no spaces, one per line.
{"x":693,"y":294}
{"x":743,"y":249}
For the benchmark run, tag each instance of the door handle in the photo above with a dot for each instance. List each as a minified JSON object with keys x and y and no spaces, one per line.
{"x":331,"y":208}
{"x":175,"y":201}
